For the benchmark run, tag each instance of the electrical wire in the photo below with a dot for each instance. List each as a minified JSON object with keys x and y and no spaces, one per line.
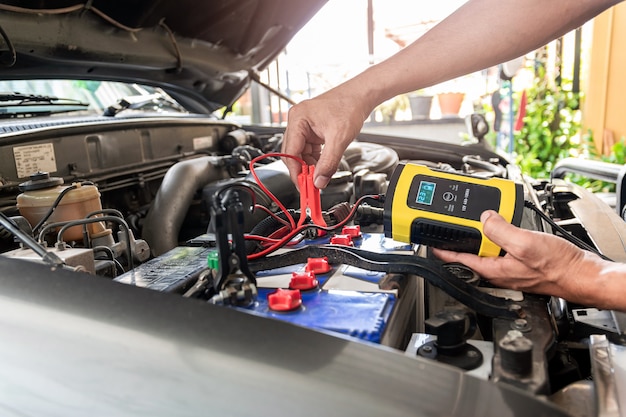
{"x":292,"y":229}
{"x":67,"y":10}
{"x":25,"y":10}
{"x":217,"y":196}
{"x":111,"y":257}
{"x":179,"y":57}
{"x":280,"y":205}
{"x":55,"y":204}
{"x":564,"y":233}
{"x":271,"y":214}
{"x":121,"y":222}
{"x":84,"y":8}
{"x":293,"y":233}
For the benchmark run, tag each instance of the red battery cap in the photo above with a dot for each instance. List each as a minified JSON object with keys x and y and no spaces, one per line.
{"x":303,"y":281}
{"x":317,"y":265}
{"x":284,"y":300}
{"x":345,"y":240}
{"x":352,"y":231}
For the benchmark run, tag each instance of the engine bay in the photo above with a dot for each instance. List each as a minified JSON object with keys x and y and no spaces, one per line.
{"x":206,"y":210}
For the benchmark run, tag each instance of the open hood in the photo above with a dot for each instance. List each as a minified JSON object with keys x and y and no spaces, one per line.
{"x":202,"y":52}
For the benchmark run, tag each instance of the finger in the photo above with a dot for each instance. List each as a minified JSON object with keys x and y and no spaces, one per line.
{"x":311,"y":153}
{"x":513,"y":240}
{"x":505,"y":272}
{"x":328,"y":162}
{"x":293,"y":144}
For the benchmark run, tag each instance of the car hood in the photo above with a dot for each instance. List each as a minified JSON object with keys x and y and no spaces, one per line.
{"x":204,"y":53}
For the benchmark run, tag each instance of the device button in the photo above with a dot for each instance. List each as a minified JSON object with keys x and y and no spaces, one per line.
{"x":317,"y":265}
{"x":303,"y":281}
{"x":284,"y":300}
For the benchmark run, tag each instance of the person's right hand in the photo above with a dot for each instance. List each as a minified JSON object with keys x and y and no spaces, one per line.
{"x":543,"y":263}
{"x":319,"y":130}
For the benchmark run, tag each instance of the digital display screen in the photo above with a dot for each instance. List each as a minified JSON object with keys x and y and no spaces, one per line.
{"x":425,"y":193}
{"x":451,"y":197}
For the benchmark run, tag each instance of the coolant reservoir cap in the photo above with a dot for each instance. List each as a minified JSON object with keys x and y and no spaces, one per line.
{"x":39,"y":181}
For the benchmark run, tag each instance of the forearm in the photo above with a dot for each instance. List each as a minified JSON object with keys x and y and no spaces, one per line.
{"x":605,"y":288}
{"x":499,"y":30}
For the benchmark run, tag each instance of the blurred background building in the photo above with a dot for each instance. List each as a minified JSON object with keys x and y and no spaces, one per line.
{"x":347,"y":36}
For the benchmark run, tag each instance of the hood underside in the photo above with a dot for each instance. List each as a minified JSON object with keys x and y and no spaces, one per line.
{"x":204,"y":51}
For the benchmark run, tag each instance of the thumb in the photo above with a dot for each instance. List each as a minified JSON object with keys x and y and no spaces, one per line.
{"x":328,"y":162}
{"x":497,"y":229}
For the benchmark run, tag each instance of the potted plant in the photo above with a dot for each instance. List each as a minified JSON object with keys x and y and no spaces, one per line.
{"x":420,"y":103}
{"x":450,"y":95}
{"x":450,"y":103}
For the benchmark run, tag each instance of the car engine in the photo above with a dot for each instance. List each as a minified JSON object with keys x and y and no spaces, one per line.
{"x":205,"y":209}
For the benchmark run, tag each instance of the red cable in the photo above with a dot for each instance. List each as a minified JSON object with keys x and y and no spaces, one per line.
{"x":271,"y":214}
{"x":282,"y":242}
{"x":280,"y":205}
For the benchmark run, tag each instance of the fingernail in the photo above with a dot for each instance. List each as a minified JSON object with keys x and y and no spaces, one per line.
{"x":485,"y":215}
{"x":321,"y":181}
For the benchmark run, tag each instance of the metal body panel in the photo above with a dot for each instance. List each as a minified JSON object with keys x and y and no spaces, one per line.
{"x":76,"y":345}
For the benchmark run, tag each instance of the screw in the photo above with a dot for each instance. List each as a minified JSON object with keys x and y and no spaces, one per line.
{"x":427,"y":349}
{"x":517,"y":309}
{"x":521,"y":325}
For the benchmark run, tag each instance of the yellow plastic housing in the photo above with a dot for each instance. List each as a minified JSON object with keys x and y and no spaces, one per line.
{"x":400,"y":216}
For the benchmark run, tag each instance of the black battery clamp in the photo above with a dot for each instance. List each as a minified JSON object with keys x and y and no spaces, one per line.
{"x":442,"y":209}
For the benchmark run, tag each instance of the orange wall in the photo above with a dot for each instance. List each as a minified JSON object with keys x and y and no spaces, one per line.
{"x":604,"y":109}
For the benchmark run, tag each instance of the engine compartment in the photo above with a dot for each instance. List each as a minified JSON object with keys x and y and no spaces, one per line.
{"x":170,"y":204}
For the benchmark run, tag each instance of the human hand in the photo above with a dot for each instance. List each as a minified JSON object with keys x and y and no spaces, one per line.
{"x":319,"y":131}
{"x":537,"y":262}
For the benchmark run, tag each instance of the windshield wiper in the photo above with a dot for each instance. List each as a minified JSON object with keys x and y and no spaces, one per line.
{"x":18,"y":104}
{"x":142,"y":100}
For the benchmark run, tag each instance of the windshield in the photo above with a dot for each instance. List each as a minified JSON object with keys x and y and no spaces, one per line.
{"x":97,"y":95}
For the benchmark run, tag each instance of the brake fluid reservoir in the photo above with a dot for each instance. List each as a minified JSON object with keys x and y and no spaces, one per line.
{"x":40,"y":193}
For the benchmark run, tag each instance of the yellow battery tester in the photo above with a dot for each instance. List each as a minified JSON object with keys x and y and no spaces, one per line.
{"x":442,"y":209}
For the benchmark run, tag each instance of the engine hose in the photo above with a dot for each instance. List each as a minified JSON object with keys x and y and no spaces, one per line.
{"x":371,"y":156}
{"x":169,"y":207}
{"x":497,"y":170}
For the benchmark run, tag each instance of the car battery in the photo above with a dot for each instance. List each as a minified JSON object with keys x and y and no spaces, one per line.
{"x":174,"y":271}
{"x":368,"y":305}
{"x":371,"y":306}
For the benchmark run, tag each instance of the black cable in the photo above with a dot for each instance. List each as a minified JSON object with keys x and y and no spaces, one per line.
{"x":121,"y":222}
{"x":218,"y":196}
{"x":564,"y":233}
{"x":56,"y":203}
{"x":305,"y":227}
{"x":111,"y":257}
{"x":433,"y":271}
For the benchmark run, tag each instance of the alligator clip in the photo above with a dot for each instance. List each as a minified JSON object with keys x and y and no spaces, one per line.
{"x":309,"y":197}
